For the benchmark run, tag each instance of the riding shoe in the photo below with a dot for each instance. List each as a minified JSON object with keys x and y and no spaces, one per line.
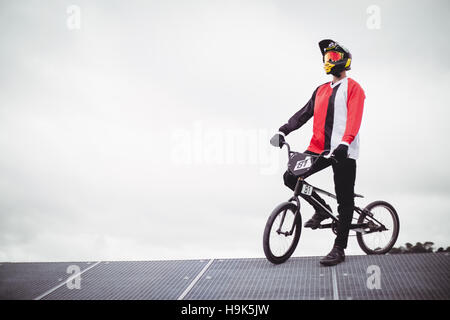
{"x":317,"y":218}
{"x":335,"y":256}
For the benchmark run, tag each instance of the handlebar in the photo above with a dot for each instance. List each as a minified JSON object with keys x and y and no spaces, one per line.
{"x":323,"y":154}
{"x":288,"y":147}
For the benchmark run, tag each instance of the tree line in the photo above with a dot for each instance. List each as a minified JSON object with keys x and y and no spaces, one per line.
{"x":426,"y":247}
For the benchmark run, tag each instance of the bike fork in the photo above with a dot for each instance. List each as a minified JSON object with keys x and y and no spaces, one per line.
{"x":297,"y":212}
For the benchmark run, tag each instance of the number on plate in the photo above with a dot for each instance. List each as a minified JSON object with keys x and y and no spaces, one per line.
{"x":307,"y":189}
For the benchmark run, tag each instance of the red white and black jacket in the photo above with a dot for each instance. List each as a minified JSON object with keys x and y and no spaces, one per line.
{"x":337,"y":109}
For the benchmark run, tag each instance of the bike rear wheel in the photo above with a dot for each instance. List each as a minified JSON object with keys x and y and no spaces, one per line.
{"x":382,"y":228}
{"x":282,"y":232}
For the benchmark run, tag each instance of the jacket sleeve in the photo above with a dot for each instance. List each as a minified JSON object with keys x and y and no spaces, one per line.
{"x":300,"y":117}
{"x":355,"y":106}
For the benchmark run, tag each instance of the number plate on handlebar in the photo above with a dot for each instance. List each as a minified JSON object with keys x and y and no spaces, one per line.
{"x":307,"y":189}
{"x":300,"y":163}
{"x":303,"y":164}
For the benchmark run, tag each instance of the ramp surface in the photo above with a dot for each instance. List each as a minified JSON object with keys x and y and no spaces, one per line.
{"x":388,"y":277}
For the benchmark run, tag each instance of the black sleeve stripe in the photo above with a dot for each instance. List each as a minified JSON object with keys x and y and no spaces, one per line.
{"x":300,"y":117}
{"x":330,"y":119}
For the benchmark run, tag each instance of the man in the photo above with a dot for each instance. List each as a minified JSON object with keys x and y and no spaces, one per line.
{"x":337,"y":108}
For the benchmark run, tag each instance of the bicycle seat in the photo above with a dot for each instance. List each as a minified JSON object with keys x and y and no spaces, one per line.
{"x":358,"y":195}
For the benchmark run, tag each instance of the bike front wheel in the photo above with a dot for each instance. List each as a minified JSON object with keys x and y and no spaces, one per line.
{"x":381,"y":228}
{"x":282,"y":232}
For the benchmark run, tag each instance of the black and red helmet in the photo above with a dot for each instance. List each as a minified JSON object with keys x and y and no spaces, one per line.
{"x":336,"y":58}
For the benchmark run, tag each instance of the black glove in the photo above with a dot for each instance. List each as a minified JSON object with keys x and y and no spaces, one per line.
{"x":341,"y":152}
{"x":277,"y":140}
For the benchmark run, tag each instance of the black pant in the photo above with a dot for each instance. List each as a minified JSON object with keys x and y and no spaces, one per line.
{"x":344,"y":185}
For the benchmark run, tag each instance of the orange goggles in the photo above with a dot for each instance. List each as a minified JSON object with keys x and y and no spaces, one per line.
{"x":333,"y":56}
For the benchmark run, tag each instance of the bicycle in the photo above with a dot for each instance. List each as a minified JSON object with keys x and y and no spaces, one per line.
{"x":285,"y":222}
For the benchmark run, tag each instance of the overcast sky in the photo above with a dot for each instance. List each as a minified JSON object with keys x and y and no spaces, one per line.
{"x":143,"y":134}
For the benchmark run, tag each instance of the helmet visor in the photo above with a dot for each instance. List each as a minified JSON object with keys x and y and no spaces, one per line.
{"x":334,"y":56}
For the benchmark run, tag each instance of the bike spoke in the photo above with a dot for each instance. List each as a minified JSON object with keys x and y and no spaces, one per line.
{"x":377,"y":240}
{"x":279,"y":240}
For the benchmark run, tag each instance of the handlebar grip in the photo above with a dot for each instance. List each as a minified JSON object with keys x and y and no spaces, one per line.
{"x":277,"y":141}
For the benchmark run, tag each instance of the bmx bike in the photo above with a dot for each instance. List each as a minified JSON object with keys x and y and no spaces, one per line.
{"x":377,"y":225}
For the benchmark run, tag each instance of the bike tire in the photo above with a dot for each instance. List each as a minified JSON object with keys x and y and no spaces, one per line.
{"x":396,"y":226}
{"x":277,"y":259}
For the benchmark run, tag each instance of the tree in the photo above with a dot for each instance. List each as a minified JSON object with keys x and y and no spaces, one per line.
{"x":426,"y":247}
{"x":418,"y":248}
